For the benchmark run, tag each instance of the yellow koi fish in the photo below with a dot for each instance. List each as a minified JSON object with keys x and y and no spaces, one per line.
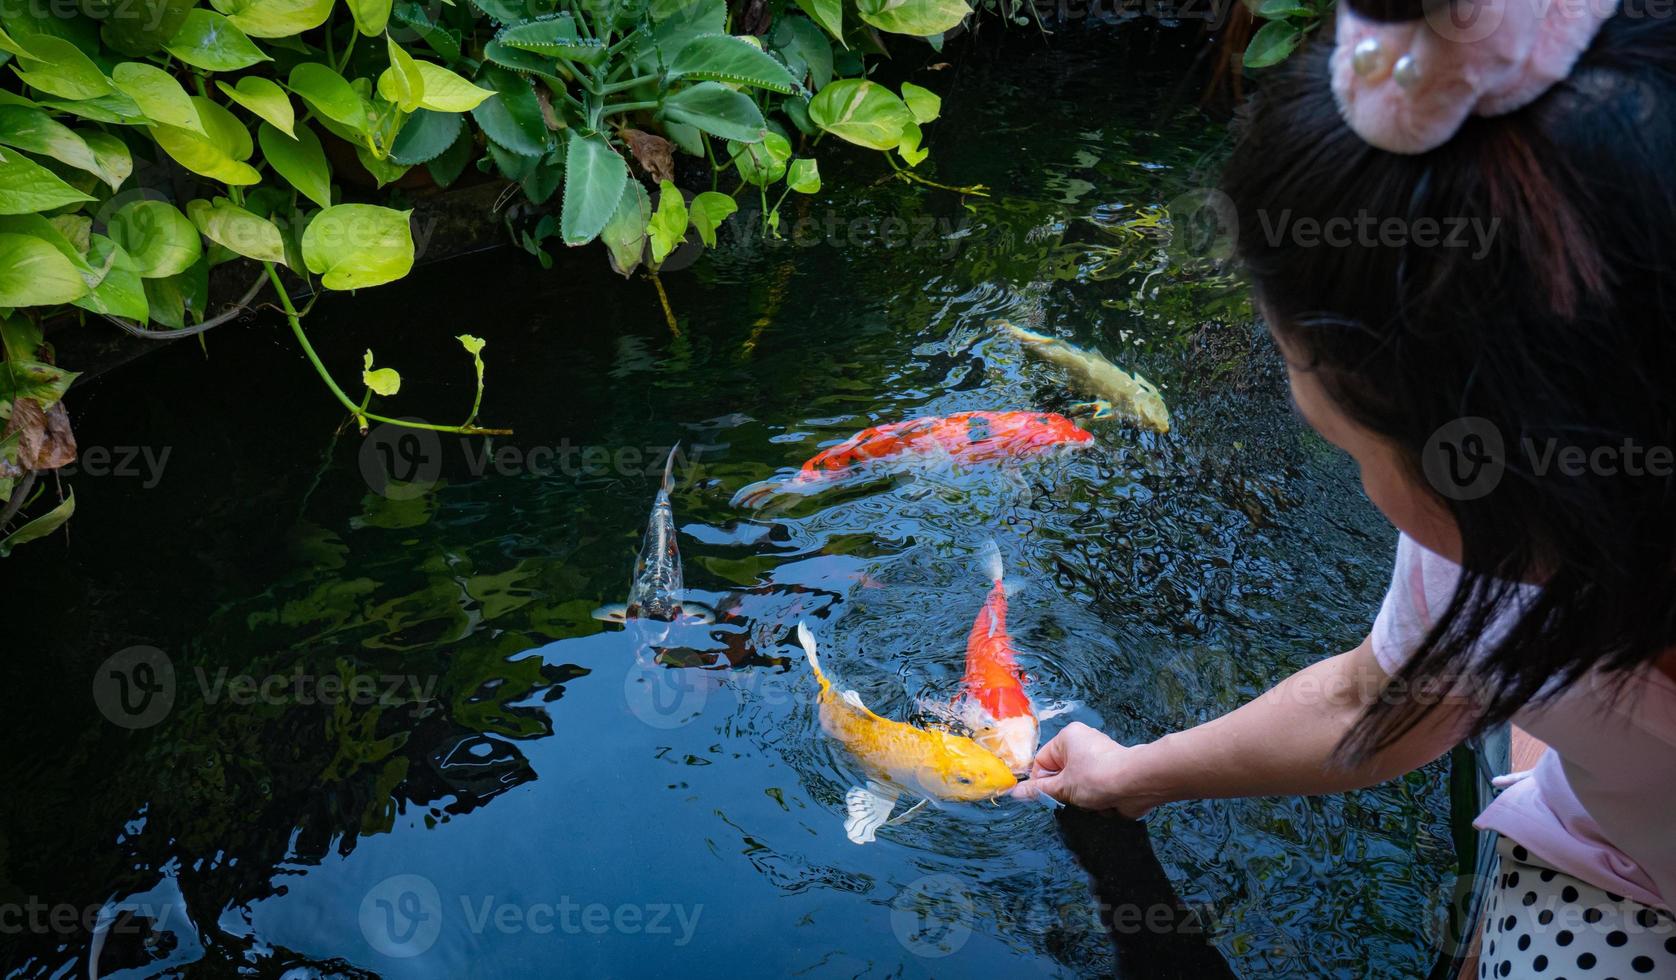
{"x":1117,"y":389}
{"x":898,"y":757}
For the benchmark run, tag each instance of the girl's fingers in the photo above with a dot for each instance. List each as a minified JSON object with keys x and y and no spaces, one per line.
{"x":1035,"y":786}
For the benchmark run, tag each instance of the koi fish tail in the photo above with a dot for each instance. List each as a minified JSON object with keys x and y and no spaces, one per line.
{"x":669,"y":468}
{"x":994,"y":568}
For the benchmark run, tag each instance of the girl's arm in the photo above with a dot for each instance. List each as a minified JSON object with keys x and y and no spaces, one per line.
{"x":1278,"y":744}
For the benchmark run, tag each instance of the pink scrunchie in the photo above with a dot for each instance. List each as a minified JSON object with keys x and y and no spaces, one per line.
{"x":1469,"y":57}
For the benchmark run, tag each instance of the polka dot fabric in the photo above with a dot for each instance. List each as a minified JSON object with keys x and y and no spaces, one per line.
{"x":1544,"y":923}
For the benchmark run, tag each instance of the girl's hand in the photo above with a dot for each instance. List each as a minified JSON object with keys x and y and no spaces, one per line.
{"x":1088,"y":769}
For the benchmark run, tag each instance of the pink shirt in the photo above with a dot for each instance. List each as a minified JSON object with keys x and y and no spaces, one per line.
{"x":1601,"y":803}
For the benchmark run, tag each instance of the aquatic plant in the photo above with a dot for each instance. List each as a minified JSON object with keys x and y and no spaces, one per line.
{"x":145,"y":142}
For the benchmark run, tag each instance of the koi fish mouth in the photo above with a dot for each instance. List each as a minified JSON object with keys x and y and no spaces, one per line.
{"x":691,"y":614}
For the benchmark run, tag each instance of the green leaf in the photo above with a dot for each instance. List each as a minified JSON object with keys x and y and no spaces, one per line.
{"x":625,"y":234}
{"x":137,"y":28}
{"x":37,"y":132}
{"x":718,"y":110}
{"x":53,"y":234}
{"x":1282,"y":9}
{"x":158,"y":95}
{"x":384,"y":381}
{"x":301,"y":161}
{"x":116,"y":109}
{"x":425,"y":136}
{"x":46,"y":383}
{"x":668,"y":227}
{"x":111,"y":154}
{"x":917,"y":18}
{"x":331,"y":96}
{"x":263,"y":97}
{"x":827,"y":13}
{"x":440,"y":89}
{"x":210,"y":41}
{"x":160,"y":240}
{"x":761,"y":163}
{"x":806,"y":48}
{"x":861,"y":112}
{"x":370,"y":16}
{"x":724,"y":58}
{"x":122,"y":291}
{"x":355,"y":245}
{"x":274,"y":18}
{"x":708,"y":210}
{"x":237,"y":230}
{"x":593,"y":184}
{"x":909,"y":149}
{"x":554,"y":37}
{"x":27,"y":187}
{"x":34,"y":273}
{"x":383,"y":169}
{"x":1272,"y":43}
{"x":804,"y":176}
{"x":925,"y":104}
{"x":57,"y":67}
{"x":172,"y":297}
{"x":41,"y":526}
{"x":447,"y":168}
{"x":401,"y":83}
{"x":513,"y":119}
{"x":221,"y":155}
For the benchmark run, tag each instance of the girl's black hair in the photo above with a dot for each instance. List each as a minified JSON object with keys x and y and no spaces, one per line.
{"x":1549,"y":321}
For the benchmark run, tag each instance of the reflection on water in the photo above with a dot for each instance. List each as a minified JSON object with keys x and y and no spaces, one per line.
{"x":400,"y":744}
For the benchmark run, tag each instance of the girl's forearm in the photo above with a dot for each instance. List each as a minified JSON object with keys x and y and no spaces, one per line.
{"x":1282,"y":742}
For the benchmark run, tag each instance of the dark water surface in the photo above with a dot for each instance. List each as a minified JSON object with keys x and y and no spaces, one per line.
{"x":515,"y":793}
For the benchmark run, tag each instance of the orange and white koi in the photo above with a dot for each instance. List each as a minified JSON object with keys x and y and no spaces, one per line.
{"x":997,"y":709}
{"x":965,"y":437}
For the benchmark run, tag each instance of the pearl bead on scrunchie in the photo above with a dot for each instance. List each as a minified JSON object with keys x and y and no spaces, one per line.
{"x":1407,"y":86}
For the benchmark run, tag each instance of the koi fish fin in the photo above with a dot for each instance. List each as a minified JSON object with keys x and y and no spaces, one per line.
{"x":908,"y":814}
{"x":869,"y":809}
{"x":1099,"y":408}
{"x":853,"y":699}
{"x":1056,"y":708}
{"x":807,"y":640}
{"x":617,"y":612}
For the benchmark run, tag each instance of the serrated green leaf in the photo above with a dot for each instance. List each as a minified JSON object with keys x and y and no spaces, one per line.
{"x":425,"y":136}
{"x":210,"y":41}
{"x":555,"y":37}
{"x":718,"y":110}
{"x":593,"y":184}
{"x":513,"y":118}
{"x":300,"y":160}
{"x":724,"y":58}
{"x":351,"y":246}
{"x":1272,"y":43}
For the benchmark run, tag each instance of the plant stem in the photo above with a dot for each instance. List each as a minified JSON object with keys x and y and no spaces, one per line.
{"x":612,"y":88}
{"x":663,"y":298}
{"x":622,"y":107}
{"x":296,"y":319}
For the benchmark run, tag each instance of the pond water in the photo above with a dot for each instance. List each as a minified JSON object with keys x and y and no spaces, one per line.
{"x":515,"y":792}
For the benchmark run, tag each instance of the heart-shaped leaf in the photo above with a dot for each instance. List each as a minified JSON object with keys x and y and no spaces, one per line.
{"x":160,"y":240}
{"x":919,"y":18}
{"x":210,"y":41}
{"x":238,"y":230}
{"x":26,"y":187}
{"x":625,"y":234}
{"x":351,"y":246}
{"x":708,"y":210}
{"x":300,"y":160}
{"x":440,"y":89}
{"x":33,"y":273}
{"x":263,"y":97}
{"x":861,"y":112}
{"x":275,"y":18}
{"x":159,"y":96}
